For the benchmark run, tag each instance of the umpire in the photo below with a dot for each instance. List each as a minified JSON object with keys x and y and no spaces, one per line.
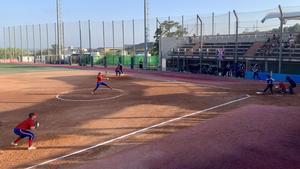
{"x":292,"y":84}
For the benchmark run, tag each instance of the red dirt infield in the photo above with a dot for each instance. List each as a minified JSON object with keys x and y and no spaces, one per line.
{"x":245,"y":131}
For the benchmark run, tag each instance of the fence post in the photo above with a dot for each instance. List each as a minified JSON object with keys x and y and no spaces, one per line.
{"x":80,"y":44}
{"x":145,"y":64}
{"x":113,"y":36}
{"x":104,"y":47}
{"x":280,"y":40}
{"x":201,"y":43}
{"x":55,"y":39}
{"x":159,"y":46}
{"x":133,"y":44}
{"x":236,"y":40}
{"x":47,"y":39}
{"x":14,"y":50}
{"x":21,"y":41}
{"x":182,"y":23}
{"x":27,"y":41}
{"x":40,"y":33}
{"x":63,"y":39}
{"x":213,"y":24}
{"x":9,"y":43}
{"x":33,"y":36}
{"x":123,"y":43}
{"x":229,"y":22}
{"x":90,"y":44}
{"x":4,"y":41}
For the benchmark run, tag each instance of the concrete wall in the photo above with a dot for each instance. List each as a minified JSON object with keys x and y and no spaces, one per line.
{"x":168,"y":43}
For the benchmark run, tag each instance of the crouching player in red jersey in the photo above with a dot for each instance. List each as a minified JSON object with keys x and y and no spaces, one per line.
{"x":24,"y":130}
{"x":100,"y":82}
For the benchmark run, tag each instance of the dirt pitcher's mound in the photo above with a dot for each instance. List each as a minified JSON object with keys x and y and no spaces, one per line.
{"x":86,"y":95}
{"x":253,"y":137}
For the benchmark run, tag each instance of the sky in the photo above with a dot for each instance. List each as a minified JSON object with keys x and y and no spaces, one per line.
{"x":16,"y":12}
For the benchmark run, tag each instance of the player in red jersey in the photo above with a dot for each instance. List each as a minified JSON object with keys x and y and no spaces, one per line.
{"x":24,"y":130}
{"x":100,"y":82}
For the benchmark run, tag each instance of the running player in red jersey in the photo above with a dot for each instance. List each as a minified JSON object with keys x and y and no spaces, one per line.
{"x":100,"y":82}
{"x":24,"y":130}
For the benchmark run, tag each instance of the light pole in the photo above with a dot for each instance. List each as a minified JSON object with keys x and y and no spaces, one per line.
{"x":58,"y":24}
{"x":146,"y":32}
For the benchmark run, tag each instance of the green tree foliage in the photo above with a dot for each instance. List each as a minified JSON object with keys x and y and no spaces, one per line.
{"x":10,"y":53}
{"x":167,"y":29}
{"x":290,"y":29}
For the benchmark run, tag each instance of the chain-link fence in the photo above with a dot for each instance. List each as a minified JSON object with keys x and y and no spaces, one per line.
{"x":114,"y":42}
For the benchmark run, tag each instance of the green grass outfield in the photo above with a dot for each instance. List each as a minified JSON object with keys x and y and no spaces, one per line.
{"x":23,"y":68}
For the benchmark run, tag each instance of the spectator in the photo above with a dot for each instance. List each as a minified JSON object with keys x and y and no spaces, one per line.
{"x":243,"y":70}
{"x":291,"y":41}
{"x":270,"y":85}
{"x":228,"y":70}
{"x":292,"y":84}
{"x":255,"y":72}
{"x":141,"y":64}
{"x":190,"y":40}
{"x":274,"y":41}
{"x":194,"y":38}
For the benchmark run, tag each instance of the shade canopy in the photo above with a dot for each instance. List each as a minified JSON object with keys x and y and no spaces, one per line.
{"x":286,"y":16}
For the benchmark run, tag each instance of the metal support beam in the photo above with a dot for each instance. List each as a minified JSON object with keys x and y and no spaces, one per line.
{"x":80,"y":44}
{"x":47,"y":39}
{"x":58,"y":25}
{"x":34,"y":48}
{"x":4,"y":41}
{"x":27,"y":41}
{"x":133,"y":44}
{"x":21,"y":42}
{"x":280,"y":40}
{"x":40,"y":37}
{"x":229,"y":22}
{"x":9,"y":43}
{"x":236,"y":42}
{"x":213,"y":24}
{"x":236,"y":36}
{"x":158,"y":23}
{"x":113,"y":38}
{"x":123,"y":42}
{"x":145,"y":34}
{"x":14,"y":50}
{"x":90,"y":44}
{"x":201,"y":41}
{"x":104,"y":45}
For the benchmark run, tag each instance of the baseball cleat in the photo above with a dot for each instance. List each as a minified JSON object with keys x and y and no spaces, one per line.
{"x":32,"y":148}
{"x":14,"y":144}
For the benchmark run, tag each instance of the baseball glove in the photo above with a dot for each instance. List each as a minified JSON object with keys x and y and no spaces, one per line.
{"x":37,"y":125}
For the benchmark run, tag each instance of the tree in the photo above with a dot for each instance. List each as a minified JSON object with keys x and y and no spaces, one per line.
{"x":53,"y":49}
{"x":290,"y":29}
{"x":167,"y":29}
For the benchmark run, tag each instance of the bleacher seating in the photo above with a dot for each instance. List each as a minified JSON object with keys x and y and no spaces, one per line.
{"x":247,"y":48}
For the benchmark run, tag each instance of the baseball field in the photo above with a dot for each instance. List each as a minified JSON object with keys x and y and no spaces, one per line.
{"x":149,"y":120}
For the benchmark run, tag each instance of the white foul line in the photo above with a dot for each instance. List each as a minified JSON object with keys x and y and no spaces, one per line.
{"x":139,"y":131}
{"x":59,"y":96}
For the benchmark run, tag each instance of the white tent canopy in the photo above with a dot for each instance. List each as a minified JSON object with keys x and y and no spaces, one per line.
{"x":286,"y":16}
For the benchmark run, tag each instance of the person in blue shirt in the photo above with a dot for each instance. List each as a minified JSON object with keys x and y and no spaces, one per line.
{"x":270,"y":84}
{"x":292,"y":84}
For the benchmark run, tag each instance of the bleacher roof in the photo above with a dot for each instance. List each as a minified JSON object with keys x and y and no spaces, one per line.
{"x":286,"y":16}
